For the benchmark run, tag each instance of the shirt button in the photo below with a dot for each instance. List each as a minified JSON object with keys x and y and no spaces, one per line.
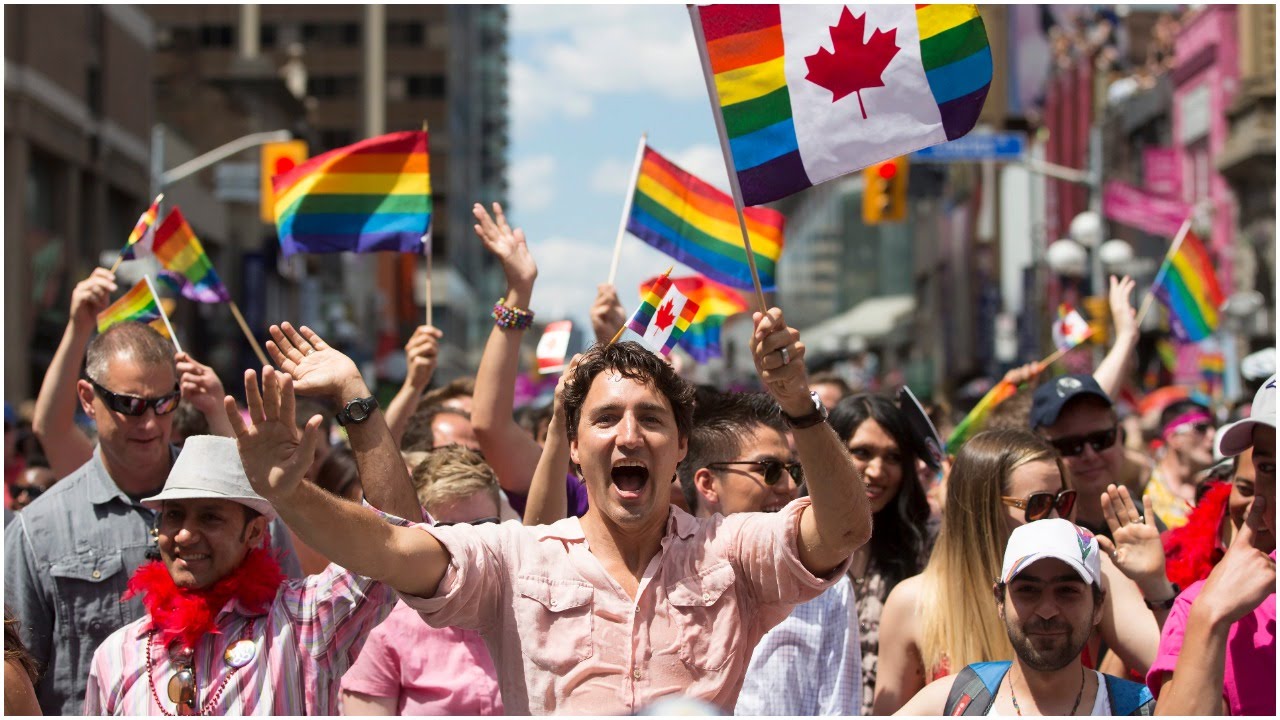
{"x":706,"y":597}
{"x":97,"y":574}
{"x":553,"y":603}
{"x":636,"y":674}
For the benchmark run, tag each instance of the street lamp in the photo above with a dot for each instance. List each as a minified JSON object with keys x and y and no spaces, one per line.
{"x":1067,"y":258}
{"x":1116,"y":254}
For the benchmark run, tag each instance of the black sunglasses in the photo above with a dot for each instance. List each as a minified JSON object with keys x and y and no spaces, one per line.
{"x":1038,"y":505}
{"x":135,"y":406}
{"x":479,"y":521}
{"x":772,"y":469}
{"x":32,"y":491}
{"x":1073,"y":445}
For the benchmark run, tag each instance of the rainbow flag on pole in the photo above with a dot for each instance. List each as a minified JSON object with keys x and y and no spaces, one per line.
{"x":138,"y":305}
{"x":662,"y":318}
{"x":716,"y":303}
{"x":973,"y":423}
{"x":140,"y":229}
{"x":807,"y":93}
{"x":187,"y":268}
{"x":371,"y":196}
{"x":1188,"y":286}
{"x":693,"y":222}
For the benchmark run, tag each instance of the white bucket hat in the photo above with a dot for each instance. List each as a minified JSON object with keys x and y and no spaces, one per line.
{"x":209,"y":467}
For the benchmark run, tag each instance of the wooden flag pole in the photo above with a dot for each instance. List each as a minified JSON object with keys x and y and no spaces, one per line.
{"x":624,"y":325}
{"x":713,"y":94}
{"x":426,"y":245}
{"x":151,"y":229}
{"x":253,"y":341}
{"x":1164,"y":268}
{"x":626,"y":208}
{"x":163,"y":315}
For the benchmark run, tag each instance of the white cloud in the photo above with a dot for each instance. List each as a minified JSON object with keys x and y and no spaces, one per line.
{"x":532,"y":183}
{"x":569,"y":270}
{"x":611,"y":176}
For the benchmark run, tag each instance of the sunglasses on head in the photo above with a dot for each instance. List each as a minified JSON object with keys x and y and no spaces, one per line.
{"x":1073,"y":445}
{"x":135,"y":406}
{"x":1037,"y":506}
{"x":771,"y":469}
{"x":479,"y":521}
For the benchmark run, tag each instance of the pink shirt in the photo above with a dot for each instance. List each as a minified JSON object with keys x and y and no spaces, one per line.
{"x":565,"y":638}
{"x":429,"y":671}
{"x":1249,"y":680}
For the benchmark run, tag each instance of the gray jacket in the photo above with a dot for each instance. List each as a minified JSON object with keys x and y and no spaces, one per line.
{"x":68,"y":558}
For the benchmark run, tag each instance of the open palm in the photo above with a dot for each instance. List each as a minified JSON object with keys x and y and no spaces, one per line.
{"x":275,"y":454}
{"x":316,"y":368}
{"x":507,"y":245}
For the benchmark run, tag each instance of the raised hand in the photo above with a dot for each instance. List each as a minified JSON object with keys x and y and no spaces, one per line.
{"x":315,"y":368}
{"x":1245,"y":575}
{"x":200,"y":384}
{"x":779,"y":359}
{"x":1137,"y":550}
{"x":1123,"y":316}
{"x":607,"y":313}
{"x":507,"y":245}
{"x":422,"y":355}
{"x":275,"y":454}
{"x":1024,"y":373}
{"x":90,"y":297}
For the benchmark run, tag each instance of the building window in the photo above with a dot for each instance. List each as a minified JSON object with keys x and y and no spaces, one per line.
{"x":396,"y":88}
{"x":267,"y":36}
{"x":217,"y":36}
{"x":332,"y":86}
{"x":331,"y":34}
{"x":405,"y":34}
{"x":420,"y":87}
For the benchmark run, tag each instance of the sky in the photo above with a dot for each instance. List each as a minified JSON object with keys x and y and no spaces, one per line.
{"x":584,"y":82}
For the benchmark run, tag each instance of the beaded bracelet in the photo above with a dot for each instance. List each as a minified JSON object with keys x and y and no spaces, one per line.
{"x":510,"y":317}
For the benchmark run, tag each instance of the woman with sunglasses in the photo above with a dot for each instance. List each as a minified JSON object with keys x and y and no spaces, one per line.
{"x":944,"y":618}
{"x":883,"y":451}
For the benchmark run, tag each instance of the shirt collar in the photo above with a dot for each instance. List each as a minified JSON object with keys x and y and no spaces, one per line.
{"x":679,"y":523}
{"x":103,"y":489}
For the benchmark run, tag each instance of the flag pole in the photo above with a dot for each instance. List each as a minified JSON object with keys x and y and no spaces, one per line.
{"x":713,"y":95}
{"x":163,"y":316}
{"x":1057,"y":355}
{"x":426,"y":248}
{"x":1164,"y":268}
{"x":150,"y":230}
{"x":253,"y":341}
{"x":624,"y":325}
{"x":626,"y":207}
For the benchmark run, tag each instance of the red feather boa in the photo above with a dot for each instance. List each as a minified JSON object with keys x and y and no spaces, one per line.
{"x":1192,"y":550}
{"x":190,"y":614}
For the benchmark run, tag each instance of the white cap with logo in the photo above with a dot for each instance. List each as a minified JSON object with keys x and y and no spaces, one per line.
{"x":1238,"y":436}
{"x":1052,"y":538}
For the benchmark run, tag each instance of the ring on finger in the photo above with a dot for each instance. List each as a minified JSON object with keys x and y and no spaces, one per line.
{"x":786,"y":355}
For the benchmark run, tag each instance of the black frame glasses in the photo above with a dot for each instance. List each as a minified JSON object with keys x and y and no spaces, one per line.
{"x":772,"y":469}
{"x":1073,"y":445}
{"x":1037,"y":506}
{"x":477,"y":521}
{"x":135,"y":406}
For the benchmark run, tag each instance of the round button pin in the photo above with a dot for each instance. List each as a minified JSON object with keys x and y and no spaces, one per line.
{"x":240,"y":653}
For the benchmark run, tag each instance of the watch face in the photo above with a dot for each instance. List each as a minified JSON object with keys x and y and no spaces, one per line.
{"x":357,"y":411}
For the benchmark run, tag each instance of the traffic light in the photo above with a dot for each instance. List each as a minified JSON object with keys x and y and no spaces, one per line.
{"x":884,"y":194}
{"x":1098,"y":313}
{"x":277,"y":158}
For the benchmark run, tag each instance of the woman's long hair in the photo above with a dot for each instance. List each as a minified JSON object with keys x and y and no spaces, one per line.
{"x":15,"y":651}
{"x":959,"y":623}
{"x":898,"y":532}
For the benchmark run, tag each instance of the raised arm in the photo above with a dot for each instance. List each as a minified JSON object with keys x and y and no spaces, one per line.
{"x":276,"y":455}
{"x":548,"y":499}
{"x":66,"y":445}
{"x":324,"y":372}
{"x":607,"y":313}
{"x":839,"y":521}
{"x":421,"y":355}
{"x":1114,"y":368}
{"x":508,"y":449}
{"x":202,"y":388}
{"x":1137,"y":553}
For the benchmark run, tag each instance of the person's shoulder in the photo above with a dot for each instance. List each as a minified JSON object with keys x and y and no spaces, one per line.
{"x":932,"y":698}
{"x":68,"y":492}
{"x":907,"y":592}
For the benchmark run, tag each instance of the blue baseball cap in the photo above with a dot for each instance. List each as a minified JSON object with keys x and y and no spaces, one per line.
{"x":1050,"y":398}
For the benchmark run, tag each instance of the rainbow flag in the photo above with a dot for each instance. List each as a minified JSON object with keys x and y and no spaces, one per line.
{"x":137,"y":305}
{"x":662,"y":318}
{"x":693,"y":222}
{"x":1189,"y":287}
{"x":716,"y":303}
{"x":1168,"y":354}
{"x":145,"y":222}
{"x":371,"y":196}
{"x":807,"y":93}
{"x":187,"y":268}
{"x":973,"y":423}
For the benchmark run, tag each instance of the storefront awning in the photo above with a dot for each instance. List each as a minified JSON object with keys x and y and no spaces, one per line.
{"x":868,"y":320}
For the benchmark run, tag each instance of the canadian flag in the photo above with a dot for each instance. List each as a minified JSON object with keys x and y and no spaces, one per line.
{"x":1071,"y":329}
{"x":553,"y":346}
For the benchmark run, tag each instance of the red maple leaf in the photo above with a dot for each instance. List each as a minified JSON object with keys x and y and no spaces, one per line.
{"x":853,"y":65}
{"x":665,"y":316}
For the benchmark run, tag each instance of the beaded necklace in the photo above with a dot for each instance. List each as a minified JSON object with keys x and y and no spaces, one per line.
{"x":1074,"y":706}
{"x":186,"y":664}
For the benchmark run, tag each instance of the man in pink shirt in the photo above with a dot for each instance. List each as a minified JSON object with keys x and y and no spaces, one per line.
{"x":634,"y":601}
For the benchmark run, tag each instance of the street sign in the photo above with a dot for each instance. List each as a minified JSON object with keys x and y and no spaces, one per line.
{"x":1004,"y":147}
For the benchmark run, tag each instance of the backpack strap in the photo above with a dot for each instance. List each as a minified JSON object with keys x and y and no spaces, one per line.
{"x":1128,"y":697}
{"x":974,"y":689}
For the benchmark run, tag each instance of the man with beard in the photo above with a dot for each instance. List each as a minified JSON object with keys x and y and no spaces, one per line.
{"x":1049,"y":596}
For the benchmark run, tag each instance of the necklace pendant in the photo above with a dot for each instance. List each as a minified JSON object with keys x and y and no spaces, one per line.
{"x":240,"y":653}
{"x":182,"y":689}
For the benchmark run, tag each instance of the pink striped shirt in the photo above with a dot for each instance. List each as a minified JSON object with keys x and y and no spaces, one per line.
{"x":305,"y":641}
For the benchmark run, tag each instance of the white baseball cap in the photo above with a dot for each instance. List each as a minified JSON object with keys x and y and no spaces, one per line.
{"x":1238,"y":436}
{"x":1052,"y":538}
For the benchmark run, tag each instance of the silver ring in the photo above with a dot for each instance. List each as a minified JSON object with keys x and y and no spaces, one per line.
{"x":310,"y":351}
{"x":786,"y":356}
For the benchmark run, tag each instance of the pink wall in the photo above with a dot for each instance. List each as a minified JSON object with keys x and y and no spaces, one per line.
{"x":1212,"y":29}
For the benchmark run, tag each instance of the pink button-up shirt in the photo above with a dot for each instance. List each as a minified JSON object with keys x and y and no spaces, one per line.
{"x":566,"y":638}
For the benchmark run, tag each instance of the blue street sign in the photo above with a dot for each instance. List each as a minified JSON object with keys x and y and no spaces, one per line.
{"x":1005,"y":147}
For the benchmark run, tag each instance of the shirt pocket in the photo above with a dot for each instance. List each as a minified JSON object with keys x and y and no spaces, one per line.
{"x":707,"y":617}
{"x":88,"y":587}
{"x":561,"y":615}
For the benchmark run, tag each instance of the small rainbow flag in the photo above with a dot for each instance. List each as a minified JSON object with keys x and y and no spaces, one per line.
{"x":973,"y":423}
{"x":187,"y":267}
{"x":662,"y":318}
{"x":138,"y":305}
{"x":1189,"y":287}
{"x":716,"y":303}
{"x":1212,"y":363}
{"x":145,"y":222}
{"x":371,"y":196}
{"x":807,"y":93}
{"x":693,"y":222}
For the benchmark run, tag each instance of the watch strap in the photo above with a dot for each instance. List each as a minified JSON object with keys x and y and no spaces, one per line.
{"x":818,"y":415}
{"x":366,"y":404}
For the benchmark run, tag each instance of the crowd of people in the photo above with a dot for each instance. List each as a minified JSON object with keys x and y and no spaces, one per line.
{"x":641,"y":546}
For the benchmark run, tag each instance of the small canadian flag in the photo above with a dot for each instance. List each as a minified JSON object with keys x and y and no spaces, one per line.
{"x":553,"y":346}
{"x":1071,"y":329}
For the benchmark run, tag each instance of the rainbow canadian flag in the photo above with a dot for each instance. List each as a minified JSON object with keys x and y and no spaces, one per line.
{"x":663,"y":316}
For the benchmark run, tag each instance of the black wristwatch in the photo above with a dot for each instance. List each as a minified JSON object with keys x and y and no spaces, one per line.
{"x":1164,"y":604}
{"x":357,"y":411}
{"x":818,"y":415}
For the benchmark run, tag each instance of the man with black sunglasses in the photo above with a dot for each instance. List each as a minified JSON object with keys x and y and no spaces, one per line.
{"x":1186,"y":433}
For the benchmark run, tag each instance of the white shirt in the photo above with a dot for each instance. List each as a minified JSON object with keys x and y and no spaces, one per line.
{"x":1101,"y":706}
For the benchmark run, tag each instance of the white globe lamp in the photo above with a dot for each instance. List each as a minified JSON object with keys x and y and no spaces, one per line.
{"x":1115,"y":253}
{"x":1066,"y":257}
{"x":1086,"y":229}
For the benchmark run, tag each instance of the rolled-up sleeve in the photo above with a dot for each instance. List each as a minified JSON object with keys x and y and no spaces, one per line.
{"x":765,"y":547}
{"x":468,"y":593}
